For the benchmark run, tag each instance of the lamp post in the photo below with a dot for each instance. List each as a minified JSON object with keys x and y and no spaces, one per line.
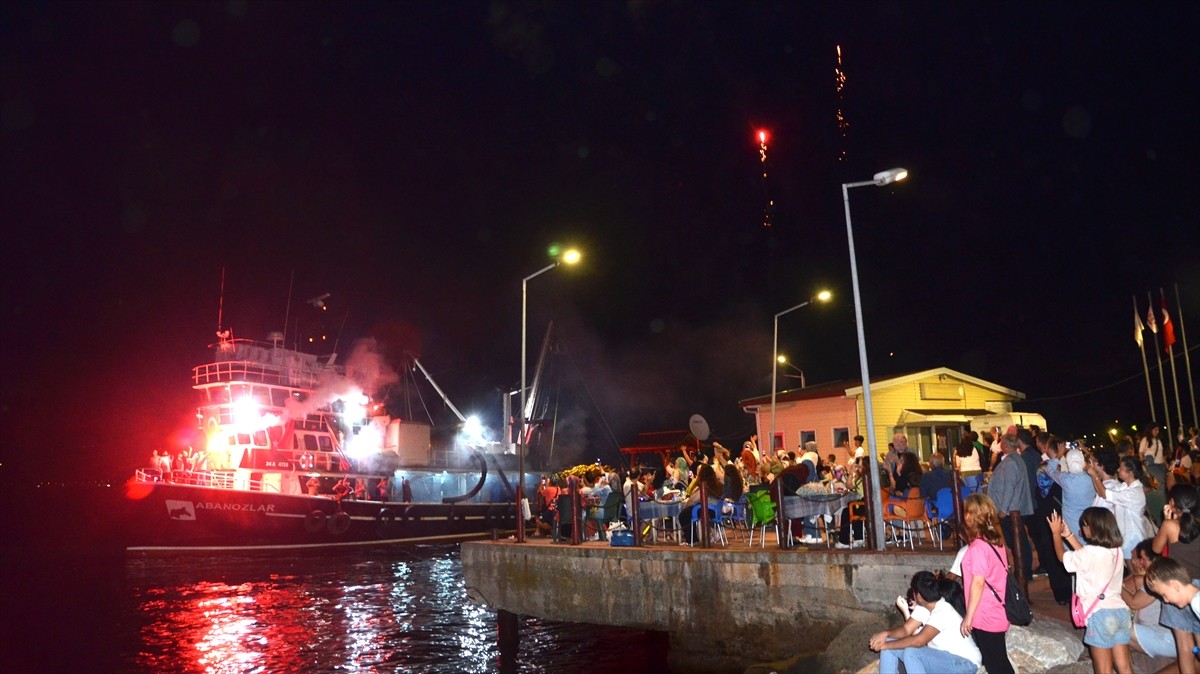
{"x":784,"y":361}
{"x":569,"y":257}
{"x":880,"y":179}
{"x":822,"y":296}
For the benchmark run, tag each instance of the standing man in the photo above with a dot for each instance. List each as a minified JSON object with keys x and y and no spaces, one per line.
{"x":1009,"y":488}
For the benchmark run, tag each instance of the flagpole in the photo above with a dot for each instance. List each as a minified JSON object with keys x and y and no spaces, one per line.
{"x":1171,"y":357}
{"x":1187,"y":361}
{"x":1137,"y":336}
{"x":1162,"y":380}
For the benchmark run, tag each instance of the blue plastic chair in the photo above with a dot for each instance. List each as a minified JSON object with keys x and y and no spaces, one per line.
{"x":940,"y":510}
{"x":714,"y":521}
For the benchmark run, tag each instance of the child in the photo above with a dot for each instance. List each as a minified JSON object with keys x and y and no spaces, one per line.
{"x":1168,"y":579}
{"x":1097,"y":567}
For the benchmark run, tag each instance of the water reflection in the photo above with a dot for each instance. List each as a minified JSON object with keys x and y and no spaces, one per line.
{"x":399,"y":610}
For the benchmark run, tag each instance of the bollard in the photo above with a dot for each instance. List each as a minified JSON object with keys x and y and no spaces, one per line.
{"x":495,"y":534}
{"x":1017,"y":524}
{"x":703,"y":515}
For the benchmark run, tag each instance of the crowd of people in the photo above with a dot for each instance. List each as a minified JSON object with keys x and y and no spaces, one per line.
{"x":1116,"y":532}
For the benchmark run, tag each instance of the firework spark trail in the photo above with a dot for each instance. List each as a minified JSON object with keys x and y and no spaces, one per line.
{"x":769,"y":208}
{"x":840,"y":88}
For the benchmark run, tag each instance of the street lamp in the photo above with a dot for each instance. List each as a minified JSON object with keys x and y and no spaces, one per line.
{"x":784,"y":361}
{"x":880,"y":179}
{"x":569,"y":257}
{"x":822,"y":296}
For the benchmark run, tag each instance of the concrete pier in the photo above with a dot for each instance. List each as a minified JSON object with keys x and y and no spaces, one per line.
{"x":725,"y":608}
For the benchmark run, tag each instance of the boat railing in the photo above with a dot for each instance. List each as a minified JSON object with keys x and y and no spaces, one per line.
{"x":217,"y":479}
{"x":250,"y":371}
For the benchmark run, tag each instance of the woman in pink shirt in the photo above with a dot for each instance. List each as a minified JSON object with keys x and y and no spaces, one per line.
{"x":985,"y":564}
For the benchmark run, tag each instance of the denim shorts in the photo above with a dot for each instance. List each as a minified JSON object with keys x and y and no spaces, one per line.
{"x":1108,"y":627}
{"x":1155,"y":640}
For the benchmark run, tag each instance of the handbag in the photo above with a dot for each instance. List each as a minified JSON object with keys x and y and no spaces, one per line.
{"x":1080,"y":616}
{"x":1015,"y":603}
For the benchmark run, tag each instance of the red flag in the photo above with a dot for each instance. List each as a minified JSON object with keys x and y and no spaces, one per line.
{"x":1168,"y":326}
{"x":1150,"y":322}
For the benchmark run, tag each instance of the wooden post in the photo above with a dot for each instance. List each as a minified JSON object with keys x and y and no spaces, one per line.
{"x":634,"y":520}
{"x":703,"y":515}
{"x":1017,"y":524}
{"x":576,"y":534}
{"x":780,"y":520}
{"x":868,"y":490}
{"x":959,"y":536}
{"x":509,"y":627}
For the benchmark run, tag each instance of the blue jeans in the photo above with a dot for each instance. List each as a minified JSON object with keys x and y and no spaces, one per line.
{"x":924,"y":660}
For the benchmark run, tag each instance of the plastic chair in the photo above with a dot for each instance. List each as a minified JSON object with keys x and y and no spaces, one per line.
{"x":606,"y":513}
{"x":940,"y":512}
{"x":762,"y":515}
{"x":736,"y":520}
{"x":714,"y":522}
{"x":901,"y":515}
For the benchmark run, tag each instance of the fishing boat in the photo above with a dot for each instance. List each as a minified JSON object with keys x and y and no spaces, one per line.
{"x":296,"y":454}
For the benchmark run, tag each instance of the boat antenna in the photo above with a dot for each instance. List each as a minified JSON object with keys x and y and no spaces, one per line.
{"x":287,"y":312}
{"x":340,"y":328}
{"x":221,"y":302}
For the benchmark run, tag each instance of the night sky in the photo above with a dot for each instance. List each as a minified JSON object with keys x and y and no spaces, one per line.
{"x":417,"y":160}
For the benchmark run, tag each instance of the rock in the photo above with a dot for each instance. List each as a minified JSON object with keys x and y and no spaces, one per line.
{"x":1044,"y":646}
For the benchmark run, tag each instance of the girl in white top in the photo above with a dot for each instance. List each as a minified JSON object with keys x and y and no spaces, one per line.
{"x":1097,"y":567}
{"x":929,"y":641}
{"x":1129,"y":499}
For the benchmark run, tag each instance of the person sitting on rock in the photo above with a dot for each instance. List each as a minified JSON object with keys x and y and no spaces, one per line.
{"x":930,"y":639}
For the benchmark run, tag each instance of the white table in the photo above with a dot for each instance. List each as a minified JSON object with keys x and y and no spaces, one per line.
{"x":817,"y":505}
{"x":651,"y":511}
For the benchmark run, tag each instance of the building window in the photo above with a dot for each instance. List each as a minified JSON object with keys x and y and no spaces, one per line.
{"x":841,"y":437}
{"x":806,"y":437}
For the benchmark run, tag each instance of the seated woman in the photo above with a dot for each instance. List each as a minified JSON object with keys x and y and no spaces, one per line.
{"x":930,"y":640}
{"x":1148,"y":636}
{"x":714,"y":488}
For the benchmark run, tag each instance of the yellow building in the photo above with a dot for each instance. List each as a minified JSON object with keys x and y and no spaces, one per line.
{"x":932,"y":407}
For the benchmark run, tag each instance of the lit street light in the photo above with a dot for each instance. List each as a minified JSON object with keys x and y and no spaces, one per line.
{"x":784,"y":361}
{"x":570,"y":257}
{"x":822,"y":296}
{"x":880,"y":179}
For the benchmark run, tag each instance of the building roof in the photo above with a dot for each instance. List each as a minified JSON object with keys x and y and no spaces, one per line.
{"x":850,"y":388}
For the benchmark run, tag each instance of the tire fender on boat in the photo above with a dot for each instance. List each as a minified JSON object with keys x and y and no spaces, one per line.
{"x":411,"y":514}
{"x":314,"y":521}
{"x":339,"y":523}
{"x":385,"y":517}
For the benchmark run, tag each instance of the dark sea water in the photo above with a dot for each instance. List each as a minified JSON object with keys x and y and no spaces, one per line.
{"x":73,"y":602}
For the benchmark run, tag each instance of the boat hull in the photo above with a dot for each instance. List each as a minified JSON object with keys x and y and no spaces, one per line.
{"x":168,"y":517}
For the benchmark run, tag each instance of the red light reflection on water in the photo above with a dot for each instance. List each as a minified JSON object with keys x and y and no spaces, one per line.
{"x":219,"y":628}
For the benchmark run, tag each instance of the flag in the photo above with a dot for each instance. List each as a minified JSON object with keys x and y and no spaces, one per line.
{"x":1150,"y":322}
{"x":1137,"y":328}
{"x":1168,"y":326}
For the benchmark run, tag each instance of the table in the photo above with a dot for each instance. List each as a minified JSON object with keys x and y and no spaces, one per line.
{"x":816,"y":505}
{"x":650,"y":511}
